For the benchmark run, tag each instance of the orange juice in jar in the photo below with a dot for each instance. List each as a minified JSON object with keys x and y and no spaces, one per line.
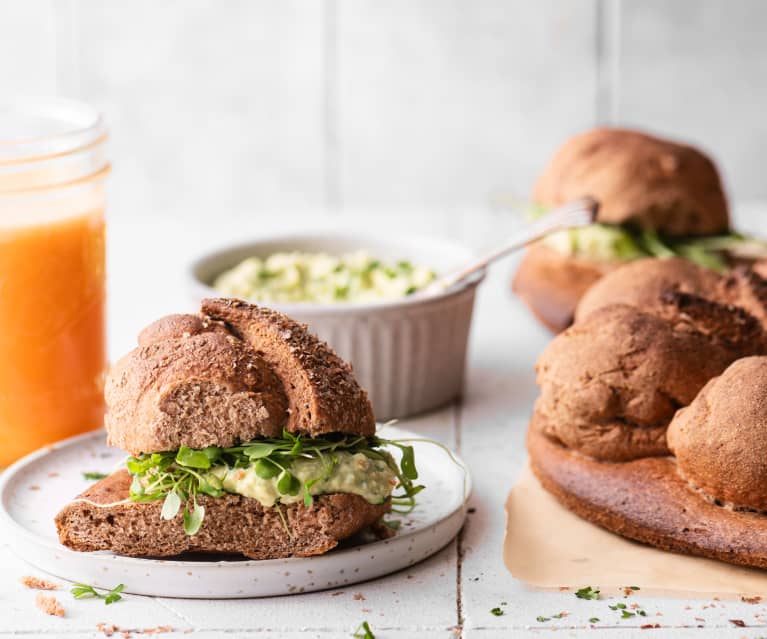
{"x":52,"y":273}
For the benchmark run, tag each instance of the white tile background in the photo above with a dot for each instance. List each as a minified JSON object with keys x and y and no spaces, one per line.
{"x":244,"y":108}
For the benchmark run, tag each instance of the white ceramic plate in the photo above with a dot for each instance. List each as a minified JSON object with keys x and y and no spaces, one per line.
{"x":34,"y":489}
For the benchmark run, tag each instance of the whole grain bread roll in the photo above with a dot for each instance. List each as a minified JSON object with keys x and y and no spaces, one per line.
{"x":611,"y":383}
{"x":638,"y":179}
{"x":232,"y":374}
{"x":720,"y":439}
{"x":642,"y":284}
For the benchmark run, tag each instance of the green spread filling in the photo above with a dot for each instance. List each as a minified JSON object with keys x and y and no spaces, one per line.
{"x":322,"y":278}
{"x":275,"y":471}
{"x":355,"y":473}
{"x":603,"y":242}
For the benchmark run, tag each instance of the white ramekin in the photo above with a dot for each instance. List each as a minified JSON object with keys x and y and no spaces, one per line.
{"x":409,"y":354}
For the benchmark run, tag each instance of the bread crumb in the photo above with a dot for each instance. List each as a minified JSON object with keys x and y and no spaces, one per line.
{"x":34,"y":487}
{"x":335,"y":594}
{"x":35,"y":583}
{"x":359,"y":597}
{"x":49,"y":605}
{"x":751,"y":600}
{"x":106,"y":630}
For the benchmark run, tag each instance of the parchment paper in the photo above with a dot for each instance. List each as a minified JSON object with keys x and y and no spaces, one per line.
{"x":548,"y":546}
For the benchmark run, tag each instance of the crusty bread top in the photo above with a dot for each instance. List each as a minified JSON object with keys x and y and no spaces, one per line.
{"x":323,"y":395}
{"x":234,"y":374}
{"x":191,"y":383}
{"x":638,"y":179}
{"x":720,"y":439}
{"x":641,"y":283}
{"x":611,"y":383}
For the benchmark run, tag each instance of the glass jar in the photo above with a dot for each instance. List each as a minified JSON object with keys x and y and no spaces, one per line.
{"x":52,"y":273}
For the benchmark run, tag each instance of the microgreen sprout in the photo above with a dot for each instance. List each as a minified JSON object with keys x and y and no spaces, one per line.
{"x":93,"y":476}
{"x":180,"y":477}
{"x":363,"y":631}
{"x":84,"y":591}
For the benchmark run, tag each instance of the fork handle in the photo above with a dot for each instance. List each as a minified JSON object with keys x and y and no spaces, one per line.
{"x":577,"y":213}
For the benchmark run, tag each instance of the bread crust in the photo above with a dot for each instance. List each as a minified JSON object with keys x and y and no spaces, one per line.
{"x":611,"y":383}
{"x":235,"y":373}
{"x":190,"y":383}
{"x":646,"y":500}
{"x":640,"y":180}
{"x":103,"y":518}
{"x":720,"y":440}
{"x":641,"y":283}
{"x":323,"y":395}
{"x":551,"y":284}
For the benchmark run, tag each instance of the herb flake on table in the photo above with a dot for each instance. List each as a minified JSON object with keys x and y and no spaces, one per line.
{"x":84,"y":591}
{"x":363,"y":631}
{"x":94,"y":476}
{"x":594,"y":620}
{"x":496,"y":611}
{"x":587,"y":593}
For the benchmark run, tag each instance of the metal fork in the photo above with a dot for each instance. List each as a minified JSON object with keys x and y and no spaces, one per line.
{"x":577,"y":213}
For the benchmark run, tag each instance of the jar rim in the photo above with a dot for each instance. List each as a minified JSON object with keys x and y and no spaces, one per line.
{"x":46,"y":128}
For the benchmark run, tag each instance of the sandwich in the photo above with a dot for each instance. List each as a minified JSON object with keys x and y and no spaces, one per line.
{"x":246,"y":435}
{"x":657,"y":198}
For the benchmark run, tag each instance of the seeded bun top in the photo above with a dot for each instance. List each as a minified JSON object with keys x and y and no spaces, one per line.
{"x":234,"y":373}
{"x":639,"y":180}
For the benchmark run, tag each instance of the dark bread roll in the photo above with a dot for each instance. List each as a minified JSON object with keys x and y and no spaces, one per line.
{"x":639,"y":180}
{"x":235,"y":373}
{"x":641,"y":283}
{"x":191,"y":383}
{"x":720,"y":439}
{"x":323,"y":395}
{"x":103,"y":518}
{"x":611,"y":383}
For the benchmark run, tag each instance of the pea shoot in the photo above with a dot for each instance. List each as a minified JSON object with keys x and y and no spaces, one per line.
{"x":84,"y":591}
{"x":587,"y":593}
{"x":94,"y":476}
{"x":180,"y":477}
{"x":363,"y":631}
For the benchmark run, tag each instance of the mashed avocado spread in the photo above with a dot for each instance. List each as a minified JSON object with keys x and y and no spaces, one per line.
{"x":322,"y":278}
{"x":371,"y":479}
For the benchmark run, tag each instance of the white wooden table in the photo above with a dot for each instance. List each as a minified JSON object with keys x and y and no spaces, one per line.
{"x":452,"y":593}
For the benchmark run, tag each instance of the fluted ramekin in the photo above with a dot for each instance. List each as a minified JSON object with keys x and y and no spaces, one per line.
{"x":410,"y":353}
